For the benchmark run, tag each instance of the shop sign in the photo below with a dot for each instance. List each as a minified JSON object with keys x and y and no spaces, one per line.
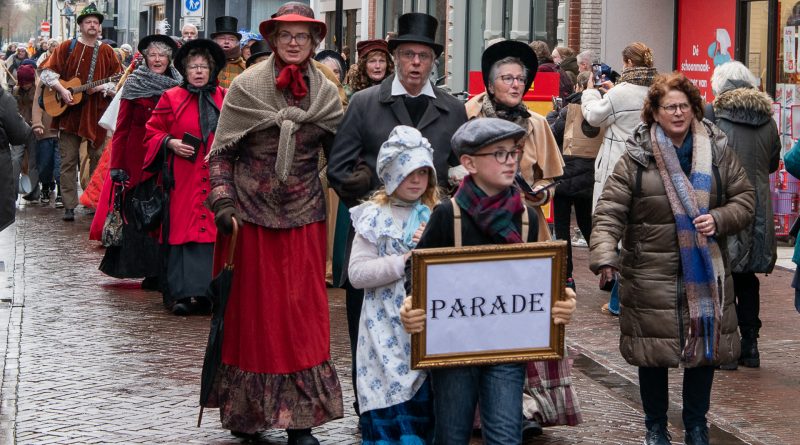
{"x":705,"y":39}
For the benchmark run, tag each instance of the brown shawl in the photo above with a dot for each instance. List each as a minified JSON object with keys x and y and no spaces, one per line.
{"x":253,"y":103}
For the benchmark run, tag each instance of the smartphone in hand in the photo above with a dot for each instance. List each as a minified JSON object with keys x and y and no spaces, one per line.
{"x":597,"y":72}
{"x":194,"y":142}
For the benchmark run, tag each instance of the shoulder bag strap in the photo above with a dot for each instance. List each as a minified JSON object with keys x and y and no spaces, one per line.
{"x":525,"y":224}
{"x":456,"y":223}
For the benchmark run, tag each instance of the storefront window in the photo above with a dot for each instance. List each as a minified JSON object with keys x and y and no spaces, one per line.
{"x":262,"y":10}
{"x":755,"y":56}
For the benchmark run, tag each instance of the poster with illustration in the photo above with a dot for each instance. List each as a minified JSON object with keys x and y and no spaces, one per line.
{"x":790,"y":49}
{"x":706,"y":32}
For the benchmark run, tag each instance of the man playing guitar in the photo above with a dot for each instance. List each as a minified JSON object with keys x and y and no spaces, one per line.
{"x":89,"y":60}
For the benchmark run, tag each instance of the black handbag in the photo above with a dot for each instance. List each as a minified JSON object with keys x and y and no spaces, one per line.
{"x":148,"y":200}
{"x":147,"y":205}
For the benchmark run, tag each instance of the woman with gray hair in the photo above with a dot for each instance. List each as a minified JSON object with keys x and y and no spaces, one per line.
{"x":138,"y":255}
{"x":744,"y":114}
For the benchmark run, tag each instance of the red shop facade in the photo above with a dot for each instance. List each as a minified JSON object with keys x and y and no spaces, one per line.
{"x":764,"y":35}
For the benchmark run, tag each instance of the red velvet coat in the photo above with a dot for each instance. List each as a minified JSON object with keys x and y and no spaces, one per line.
{"x":177,"y":113}
{"x":129,"y":150}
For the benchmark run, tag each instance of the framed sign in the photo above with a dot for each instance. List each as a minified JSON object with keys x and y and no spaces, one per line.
{"x":488,"y":304}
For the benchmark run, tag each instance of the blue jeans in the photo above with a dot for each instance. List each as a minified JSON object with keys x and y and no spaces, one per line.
{"x":498,"y":391}
{"x":49,"y":162}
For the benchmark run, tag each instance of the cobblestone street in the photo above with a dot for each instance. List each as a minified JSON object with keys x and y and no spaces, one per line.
{"x":91,"y":359}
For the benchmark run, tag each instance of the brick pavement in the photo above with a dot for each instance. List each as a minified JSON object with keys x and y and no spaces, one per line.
{"x":100,"y":361}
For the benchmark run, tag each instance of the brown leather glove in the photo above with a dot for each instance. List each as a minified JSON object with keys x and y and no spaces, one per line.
{"x":357,"y":185}
{"x":224,"y":211}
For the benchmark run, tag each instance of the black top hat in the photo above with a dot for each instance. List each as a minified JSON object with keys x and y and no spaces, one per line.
{"x":226,"y":24}
{"x":215,"y":50}
{"x":509,"y":48}
{"x":416,"y":27}
{"x":258,"y":49}
{"x":90,"y":11}
{"x":166,"y":40}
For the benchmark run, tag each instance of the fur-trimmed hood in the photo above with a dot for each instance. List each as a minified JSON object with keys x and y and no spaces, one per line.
{"x":744,"y":106}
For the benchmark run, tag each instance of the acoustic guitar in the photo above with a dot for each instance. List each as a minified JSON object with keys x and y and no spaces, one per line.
{"x":54,"y":105}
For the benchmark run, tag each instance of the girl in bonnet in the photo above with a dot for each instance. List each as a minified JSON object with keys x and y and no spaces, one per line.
{"x":394,"y":399}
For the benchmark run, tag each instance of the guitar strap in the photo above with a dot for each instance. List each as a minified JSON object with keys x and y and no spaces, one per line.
{"x":92,"y":64}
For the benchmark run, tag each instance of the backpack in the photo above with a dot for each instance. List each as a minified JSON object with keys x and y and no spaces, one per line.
{"x":581,"y":139}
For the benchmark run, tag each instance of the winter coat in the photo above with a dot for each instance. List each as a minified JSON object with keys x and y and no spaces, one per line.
{"x":578,"y":177}
{"x":634,"y":208}
{"x":541,"y":160}
{"x":371,"y":116}
{"x":620,"y":111}
{"x":791,"y":161}
{"x":177,"y":113}
{"x":13,"y":131}
{"x":128,"y":140}
{"x":745,"y":115}
{"x":40,"y":118}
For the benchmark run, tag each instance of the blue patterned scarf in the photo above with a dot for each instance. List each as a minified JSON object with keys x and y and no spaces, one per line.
{"x":701,"y":259}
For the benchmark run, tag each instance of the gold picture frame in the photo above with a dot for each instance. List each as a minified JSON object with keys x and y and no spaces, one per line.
{"x":504,"y":334}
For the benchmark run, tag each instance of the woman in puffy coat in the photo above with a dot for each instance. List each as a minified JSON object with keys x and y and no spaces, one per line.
{"x":744,"y":114}
{"x":673,"y":232}
{"x":619,"y":111}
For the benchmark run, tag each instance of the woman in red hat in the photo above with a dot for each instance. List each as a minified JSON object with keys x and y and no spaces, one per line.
{"x":374,"y":65}
{"x":276,"y":370}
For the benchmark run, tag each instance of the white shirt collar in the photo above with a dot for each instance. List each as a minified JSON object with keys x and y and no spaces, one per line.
{"x":399,"y":90}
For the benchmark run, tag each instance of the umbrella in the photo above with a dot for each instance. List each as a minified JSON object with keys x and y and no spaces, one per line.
{"x":218,"y":291}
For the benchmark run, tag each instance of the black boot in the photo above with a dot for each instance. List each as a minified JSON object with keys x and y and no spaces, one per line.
{"x":750,"y":357}
{"x":696,"y":436}
{"x":301,"y":437}
{"x":657,"y":435}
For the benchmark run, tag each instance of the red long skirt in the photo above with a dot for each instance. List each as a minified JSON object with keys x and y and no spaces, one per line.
{"x":277,"y":320}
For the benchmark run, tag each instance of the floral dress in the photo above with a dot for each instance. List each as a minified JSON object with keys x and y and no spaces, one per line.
{"x":383,"y":375}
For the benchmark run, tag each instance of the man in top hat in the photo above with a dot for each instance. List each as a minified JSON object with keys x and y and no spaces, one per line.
{"x":227,"y":37}
{"x":405,"y":98}
{"x":89,"y":60}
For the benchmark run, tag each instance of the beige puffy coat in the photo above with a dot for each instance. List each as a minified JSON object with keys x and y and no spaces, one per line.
{"x":654,"y":313}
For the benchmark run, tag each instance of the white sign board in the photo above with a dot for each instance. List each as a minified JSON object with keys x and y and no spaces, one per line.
{"x":193,"y":8}
{"x":491,"y":305}
{"x":196,"y":21}
{"x":488,"y":304}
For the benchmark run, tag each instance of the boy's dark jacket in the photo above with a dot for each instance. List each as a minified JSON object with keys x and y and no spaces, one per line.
{"x":439,"y":232}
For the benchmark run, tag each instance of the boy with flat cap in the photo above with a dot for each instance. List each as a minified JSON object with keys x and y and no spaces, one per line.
{"x":486,"y":209}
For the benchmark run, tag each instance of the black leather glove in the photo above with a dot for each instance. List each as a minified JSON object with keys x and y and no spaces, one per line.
{"x":224,"y":211}
{"x":119,"y":175}
{"x":358,"y":183}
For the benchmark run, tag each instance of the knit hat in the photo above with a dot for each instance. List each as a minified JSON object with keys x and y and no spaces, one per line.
{"x":26,"y":74}
{"x":127,"y":48}
{"x":478,"y":133}
{"x":406,"y":150}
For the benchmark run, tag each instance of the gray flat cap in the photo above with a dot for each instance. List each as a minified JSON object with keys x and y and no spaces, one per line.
{"x":480,"y":132}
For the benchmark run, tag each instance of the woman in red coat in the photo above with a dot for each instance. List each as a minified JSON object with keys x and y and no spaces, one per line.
{"x":185,"y":113}
{"x":138,"y":255}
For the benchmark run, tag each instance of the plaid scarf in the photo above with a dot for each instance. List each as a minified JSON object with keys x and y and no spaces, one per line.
{"x":701,"y":259}
{"x":493,"y":214}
